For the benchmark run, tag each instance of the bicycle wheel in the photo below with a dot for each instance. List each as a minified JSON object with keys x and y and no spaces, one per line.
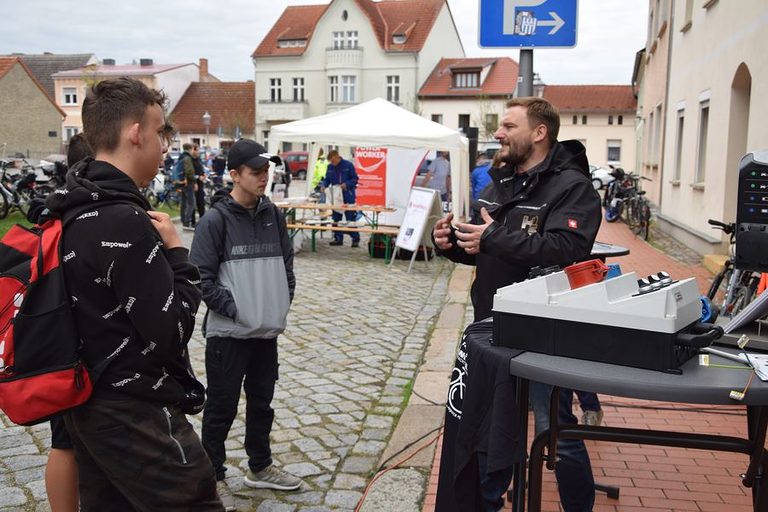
{"x":631,"y":214}
{"x":4,"y":203}
{"x":643,"y":227}
{"x":23,"y":198}
{"x":720,"y":281}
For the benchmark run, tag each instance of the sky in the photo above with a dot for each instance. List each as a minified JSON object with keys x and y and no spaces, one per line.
{"x":226,"y":32}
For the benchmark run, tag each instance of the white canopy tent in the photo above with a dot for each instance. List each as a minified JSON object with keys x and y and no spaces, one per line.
{"x":380,"y":123}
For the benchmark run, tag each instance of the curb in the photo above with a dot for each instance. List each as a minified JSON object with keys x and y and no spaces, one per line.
{"x":403,"y":489}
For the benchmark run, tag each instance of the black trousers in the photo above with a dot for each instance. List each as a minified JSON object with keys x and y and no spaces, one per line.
{"x":229,"y":361}
{"x":138,"y":456}
{"x":199,"y":200}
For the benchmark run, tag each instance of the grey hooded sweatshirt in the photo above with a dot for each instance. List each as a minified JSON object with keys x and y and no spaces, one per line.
{"x":246,"y":269}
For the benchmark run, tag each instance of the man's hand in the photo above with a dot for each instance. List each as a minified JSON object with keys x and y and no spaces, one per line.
{"x":164,"y":226}
{"x":343,"y":186}
{"x":469,"y":235}
{"x":442,"y":232}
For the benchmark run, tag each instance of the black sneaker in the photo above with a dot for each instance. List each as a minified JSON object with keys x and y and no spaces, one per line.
{"x":356,"y":243}
{"x":336,"y":242}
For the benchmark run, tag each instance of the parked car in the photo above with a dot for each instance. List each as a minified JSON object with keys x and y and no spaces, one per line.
{"x":297,"y":162}
{"x":600,"y":177}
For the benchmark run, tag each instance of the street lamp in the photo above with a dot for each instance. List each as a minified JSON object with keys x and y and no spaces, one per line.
{"x":207,"y":124}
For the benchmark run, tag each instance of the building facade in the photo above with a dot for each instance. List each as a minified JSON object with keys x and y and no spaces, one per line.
{"x":460,"y":93}
{"x":717,"y":93}
{"x":30,"y":122}
{"x":70,"y":86}
{"x":602,"y":117}
{"x":322,"y":58}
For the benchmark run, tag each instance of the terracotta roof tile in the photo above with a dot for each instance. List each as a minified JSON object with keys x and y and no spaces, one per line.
{"x":296,"y":22}
{"x":501,"y":79}
{"x":591,"y":98}
{"x":412,"y":18}
{"x":228,"y":103}
{"x":7,"y":63}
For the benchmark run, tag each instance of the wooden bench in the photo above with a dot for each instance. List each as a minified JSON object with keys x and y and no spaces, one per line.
{"x":386,"y":231}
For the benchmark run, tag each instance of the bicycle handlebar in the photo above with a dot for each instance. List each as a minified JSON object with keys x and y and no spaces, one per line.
{"x":727,"y":228}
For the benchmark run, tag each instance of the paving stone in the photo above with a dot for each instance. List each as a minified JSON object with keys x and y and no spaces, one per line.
{"x":275,"y":506}
{"x":12,"y":497}
{"x":343,"y":499}
{"x":303,"y":469}
{"x":359,"y":465}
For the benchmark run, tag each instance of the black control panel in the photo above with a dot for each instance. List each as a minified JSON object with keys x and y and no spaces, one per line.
{"x":752,"y":213}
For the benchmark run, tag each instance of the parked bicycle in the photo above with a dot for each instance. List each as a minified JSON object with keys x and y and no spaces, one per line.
{"x":624,"y":199}
{"x":162,"y":191}
{"x":732,"y":289}
{"x":17,"y":190}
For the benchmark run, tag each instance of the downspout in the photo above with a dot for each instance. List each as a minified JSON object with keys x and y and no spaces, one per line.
{"x":670,"y":34}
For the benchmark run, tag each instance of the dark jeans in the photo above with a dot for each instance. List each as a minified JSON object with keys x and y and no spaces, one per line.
{"x":138,"y":456}
{"x":573,"y":469}
{"x":588,"y":400}
{"x":351,"y":216}
{"x":227,"y":362}
{"x":188,"y":205}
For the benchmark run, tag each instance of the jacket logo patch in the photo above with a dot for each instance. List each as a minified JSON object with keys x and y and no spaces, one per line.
{"x":530,"y":224}
{"x":573,"y":224}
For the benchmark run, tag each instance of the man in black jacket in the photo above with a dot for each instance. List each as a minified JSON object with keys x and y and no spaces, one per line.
{"x":135,"y":298}
{"x":246,"y":267}
{"x":539,"y":210}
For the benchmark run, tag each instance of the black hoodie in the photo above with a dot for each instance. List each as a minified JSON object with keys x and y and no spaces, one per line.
{"x":134,"y":300}
{"x":547,"y":216}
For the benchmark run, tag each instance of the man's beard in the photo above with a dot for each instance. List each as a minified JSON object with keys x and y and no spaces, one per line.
{"x":518,"y":153}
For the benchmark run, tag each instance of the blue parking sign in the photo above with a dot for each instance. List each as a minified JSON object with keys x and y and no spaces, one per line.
{"x":528,"y":23}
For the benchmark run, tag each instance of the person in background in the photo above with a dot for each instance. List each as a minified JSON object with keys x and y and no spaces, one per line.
{"x":479,"y":178}
{"x":245,"y":257}
{"x":134,"y":299}
{"x":200,"y":178}
{"x":342,"y":173}
{"x":61,"y":470}
{"x":539,"y":210}
{"x":219,"y":166}
{"x":321,"y":166}
{"x":439,"y":176}
{"x":188,"y":185}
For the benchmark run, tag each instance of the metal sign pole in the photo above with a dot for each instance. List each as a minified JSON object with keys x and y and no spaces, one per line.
{"x":526,"y":73}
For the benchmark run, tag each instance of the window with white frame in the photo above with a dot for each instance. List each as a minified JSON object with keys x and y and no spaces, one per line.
{"x":610,"y":119}
{"x":351,"y":39}
{"x":466,"y":80}
{"x":70,"y":95}
{"x":437,"y":118}
{"x":491,"y":123}
{"x":333,"y":84}
{"x":575,"y":119}
{"x":701,"y":152}
{"x":69,"y":132}
{"x":656,"y":156}
{"x":348,"y":86}
{"x":393,"y":88}
{"x":621,"y":120}
{"x":649,"y":139}
{"x":614,"y":151}
{"x":679,"y":145}
{"x":298,"y":89}
{"x":275,"y":90}
{"x":338,"y":40}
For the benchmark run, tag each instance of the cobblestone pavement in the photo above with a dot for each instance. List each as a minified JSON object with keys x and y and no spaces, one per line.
{"x":355,"y":339}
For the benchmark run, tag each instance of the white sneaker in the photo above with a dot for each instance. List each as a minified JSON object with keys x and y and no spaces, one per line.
{"x":272,"y":477}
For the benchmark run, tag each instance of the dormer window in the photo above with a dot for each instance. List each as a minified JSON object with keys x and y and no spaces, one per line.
{"x":466,"y":79}
{"x":292,"y":43}
{"x":399,"y":39}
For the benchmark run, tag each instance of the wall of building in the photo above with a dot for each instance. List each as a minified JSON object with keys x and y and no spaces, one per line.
{"x":720,"y":60}
{"x":443,"y":41}
{"x":30,"y":123}
{"x":596,"y":134}
{"x":452,"y":108}
{"x":175,"y":82}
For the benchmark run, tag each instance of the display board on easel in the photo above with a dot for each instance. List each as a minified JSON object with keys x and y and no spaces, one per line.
{"x":424,"y":209}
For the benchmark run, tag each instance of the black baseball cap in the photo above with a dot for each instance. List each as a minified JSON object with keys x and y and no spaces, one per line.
{"x":251,"y":153}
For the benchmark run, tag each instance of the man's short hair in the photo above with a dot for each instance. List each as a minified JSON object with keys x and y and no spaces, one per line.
{"x":540,"y":111}
{"x":77,"y":149}
{"x":332,"y":153}
{"x":111,"y":103}
{"x":187,"y":146}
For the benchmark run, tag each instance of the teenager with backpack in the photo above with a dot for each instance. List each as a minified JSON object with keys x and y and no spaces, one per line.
{"x":135,"y":297}
{"x":245,"y":257}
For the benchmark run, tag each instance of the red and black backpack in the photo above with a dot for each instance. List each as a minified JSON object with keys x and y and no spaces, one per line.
{"x":41,"y":374}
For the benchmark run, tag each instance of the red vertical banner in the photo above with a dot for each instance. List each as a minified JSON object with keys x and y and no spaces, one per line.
{"x":371,"y":166}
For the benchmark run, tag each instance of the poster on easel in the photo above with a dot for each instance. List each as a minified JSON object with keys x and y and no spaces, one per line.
{"x":422,"y":212}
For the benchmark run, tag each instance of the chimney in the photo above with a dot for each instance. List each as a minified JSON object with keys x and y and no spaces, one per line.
{"x":108,"y":62}
{"x":145,"y":62}
{"x":203,"y":68}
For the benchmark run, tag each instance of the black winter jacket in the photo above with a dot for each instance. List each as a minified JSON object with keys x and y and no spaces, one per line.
{"x":552,"y":219}
{"x":134,"y":300}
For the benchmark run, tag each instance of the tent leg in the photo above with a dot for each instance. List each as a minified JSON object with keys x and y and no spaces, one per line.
{"x":394,"y":255}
